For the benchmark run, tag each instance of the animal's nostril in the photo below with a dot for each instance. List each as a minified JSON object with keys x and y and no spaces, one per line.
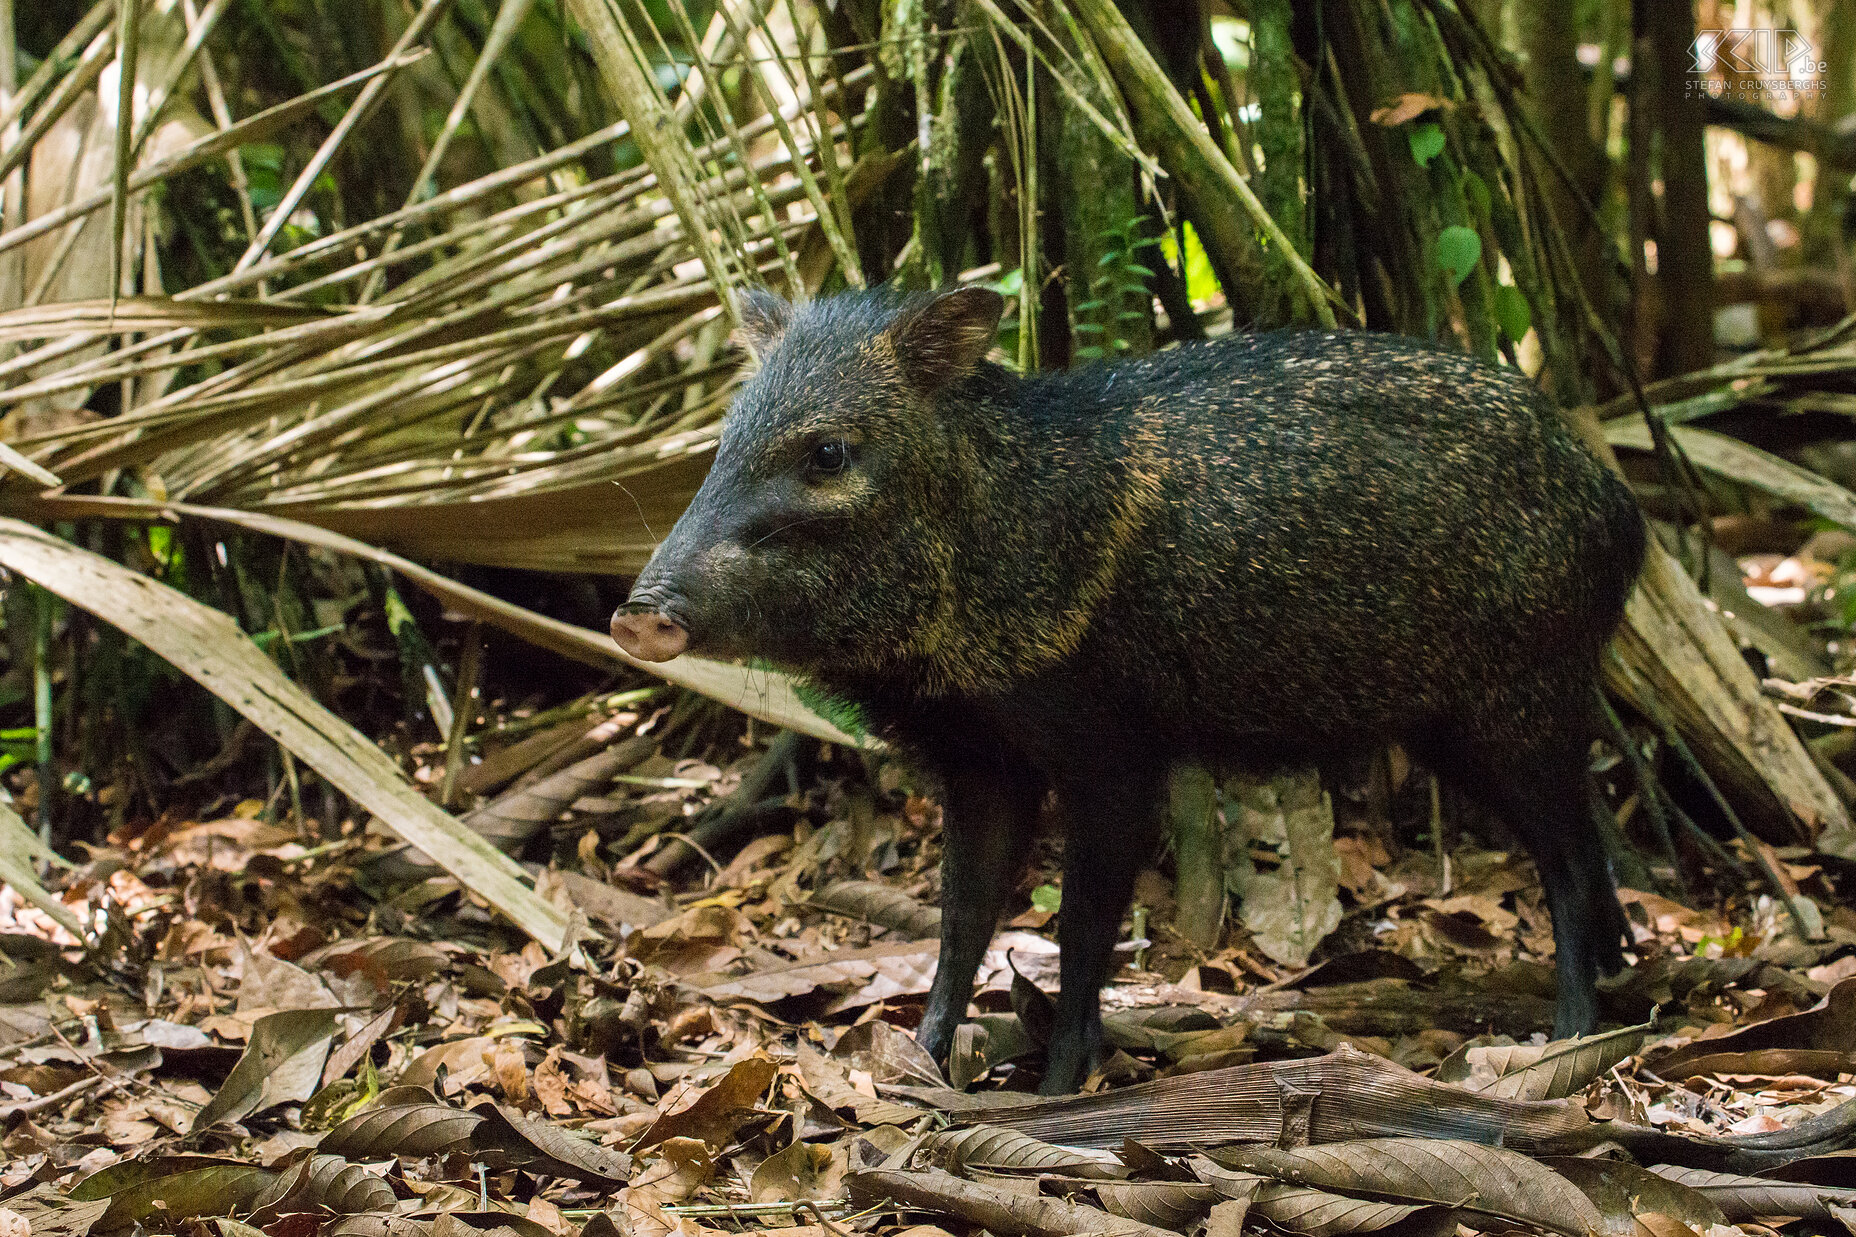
{"x":649,"y":637}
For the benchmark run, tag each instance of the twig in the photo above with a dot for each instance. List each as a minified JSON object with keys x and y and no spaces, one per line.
{"x":25,"y":1108}
{"x":463,"y":708}
{"x":1648,"y":788}
{"x":1807,"y":920}
{"x":726,"y":817}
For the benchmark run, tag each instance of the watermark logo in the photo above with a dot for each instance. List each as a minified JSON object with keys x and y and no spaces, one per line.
{"x":1755,"y":65}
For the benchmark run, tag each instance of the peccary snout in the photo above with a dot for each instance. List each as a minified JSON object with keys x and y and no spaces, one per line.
{"x":649,"y":635}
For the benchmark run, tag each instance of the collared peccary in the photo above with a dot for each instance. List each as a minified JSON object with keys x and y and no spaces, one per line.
{"x":1258,"y":547}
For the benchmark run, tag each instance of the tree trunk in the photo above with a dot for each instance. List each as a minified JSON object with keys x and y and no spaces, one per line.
{"x":1684,"y":258}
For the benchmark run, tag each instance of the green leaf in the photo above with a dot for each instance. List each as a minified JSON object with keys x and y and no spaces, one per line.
{"x":1511,"y":311}
{"x":1009,"y":284}
{"x":160,"y":542}
{"x":841,"y":713}
{"x":1476,"y":190}
{"x":1047,"y":898}
{"x":1427,"y":142}
{"x":1458,"y":250}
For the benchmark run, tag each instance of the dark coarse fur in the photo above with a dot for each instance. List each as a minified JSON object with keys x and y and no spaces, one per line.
{"x":1255,"y":547}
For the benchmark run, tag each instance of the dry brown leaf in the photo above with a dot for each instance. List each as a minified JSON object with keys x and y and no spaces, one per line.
{"x":282,"y":1063}
{"x":1409,"y":106}
{"x":825,"y":1080}
{"x":1177,"y":1205}
{"x":1317,"y":1213}
{"x":414,"y":1129}
{"x":718,"y":1112}
{"x":325,"y":1182}
{"x":1433,"y":1172}
{"x":1830,"y":1027}
{"x":878,"y":973}
{"x":384,"y":959}
{"x":883,"y":905}
{"x":544,"y":1146}
{"x":801,"y":1171}
{"x":1545,"y":1072}
{"x":1742,"y":1198}
{"x":995,"y":1149}
{"x":682,"y":1167}
{"x":1624,"y":1191}
{"x":888,"y":1054}
{"x":1301,"y":1209}
{"x":998,"y":1210}
{"x":465,"y":1062}
{"x":1226,"y":1219}
{"x":179,"y":1186}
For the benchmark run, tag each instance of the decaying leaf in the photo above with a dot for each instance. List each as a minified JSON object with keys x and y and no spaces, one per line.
{"x":883,"y":905}
{"x":826,"y":1081}
{"x":1624,"y":1191}
{"x":544,"y":1146}
{"x":1288,"y":910}
{"x":801,"y":1171}
{"x":718,"y":1112}
{"x":1226,"y":1219}
{"x":1544,"y":1072}
{"x":1829,"y":1026}
{"x":878,"y":973}
{"x":385,"y":959}
{"x":887,"y":1054}
{"x":1301,"y":1209}
{"x":325,"y":1183}
{"x":1175,"y":1205}
{"x":1741,"y":1198}
{"x":178,"y":1186}
{"x":282,"y":1063}
{"x":1433,"y":1172}
{"x":1000,"y":1211}
{"x":401,"y":1123}
{"x":48,"y":1212}
{"x":1317,"y":1213}
{"x":989,"y":1147}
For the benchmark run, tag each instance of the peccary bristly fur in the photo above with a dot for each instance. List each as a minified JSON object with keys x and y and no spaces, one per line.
{"x":1236,"y":551}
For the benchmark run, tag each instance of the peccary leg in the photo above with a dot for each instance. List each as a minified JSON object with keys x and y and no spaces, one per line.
{"x":1110,"y":831}
{"x":989,"y":813}
{"x":1543,"y":793}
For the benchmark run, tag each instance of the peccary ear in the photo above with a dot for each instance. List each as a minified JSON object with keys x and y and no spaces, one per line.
{"x":763,"y":320}
{"x":944,"y":340}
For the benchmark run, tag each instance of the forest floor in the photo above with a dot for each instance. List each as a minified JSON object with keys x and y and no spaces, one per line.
{"x":279,"y":1032}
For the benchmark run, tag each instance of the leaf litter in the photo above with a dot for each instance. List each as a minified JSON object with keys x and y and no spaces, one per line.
{"x":248,"y":1033}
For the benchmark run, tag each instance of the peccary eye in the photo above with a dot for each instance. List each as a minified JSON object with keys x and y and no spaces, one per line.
{"x":829,"y":456}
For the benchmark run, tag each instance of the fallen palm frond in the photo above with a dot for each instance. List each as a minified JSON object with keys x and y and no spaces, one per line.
{"x":758,"y":692}
{"x":20,"y":849}
{"x":209,"y":648}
